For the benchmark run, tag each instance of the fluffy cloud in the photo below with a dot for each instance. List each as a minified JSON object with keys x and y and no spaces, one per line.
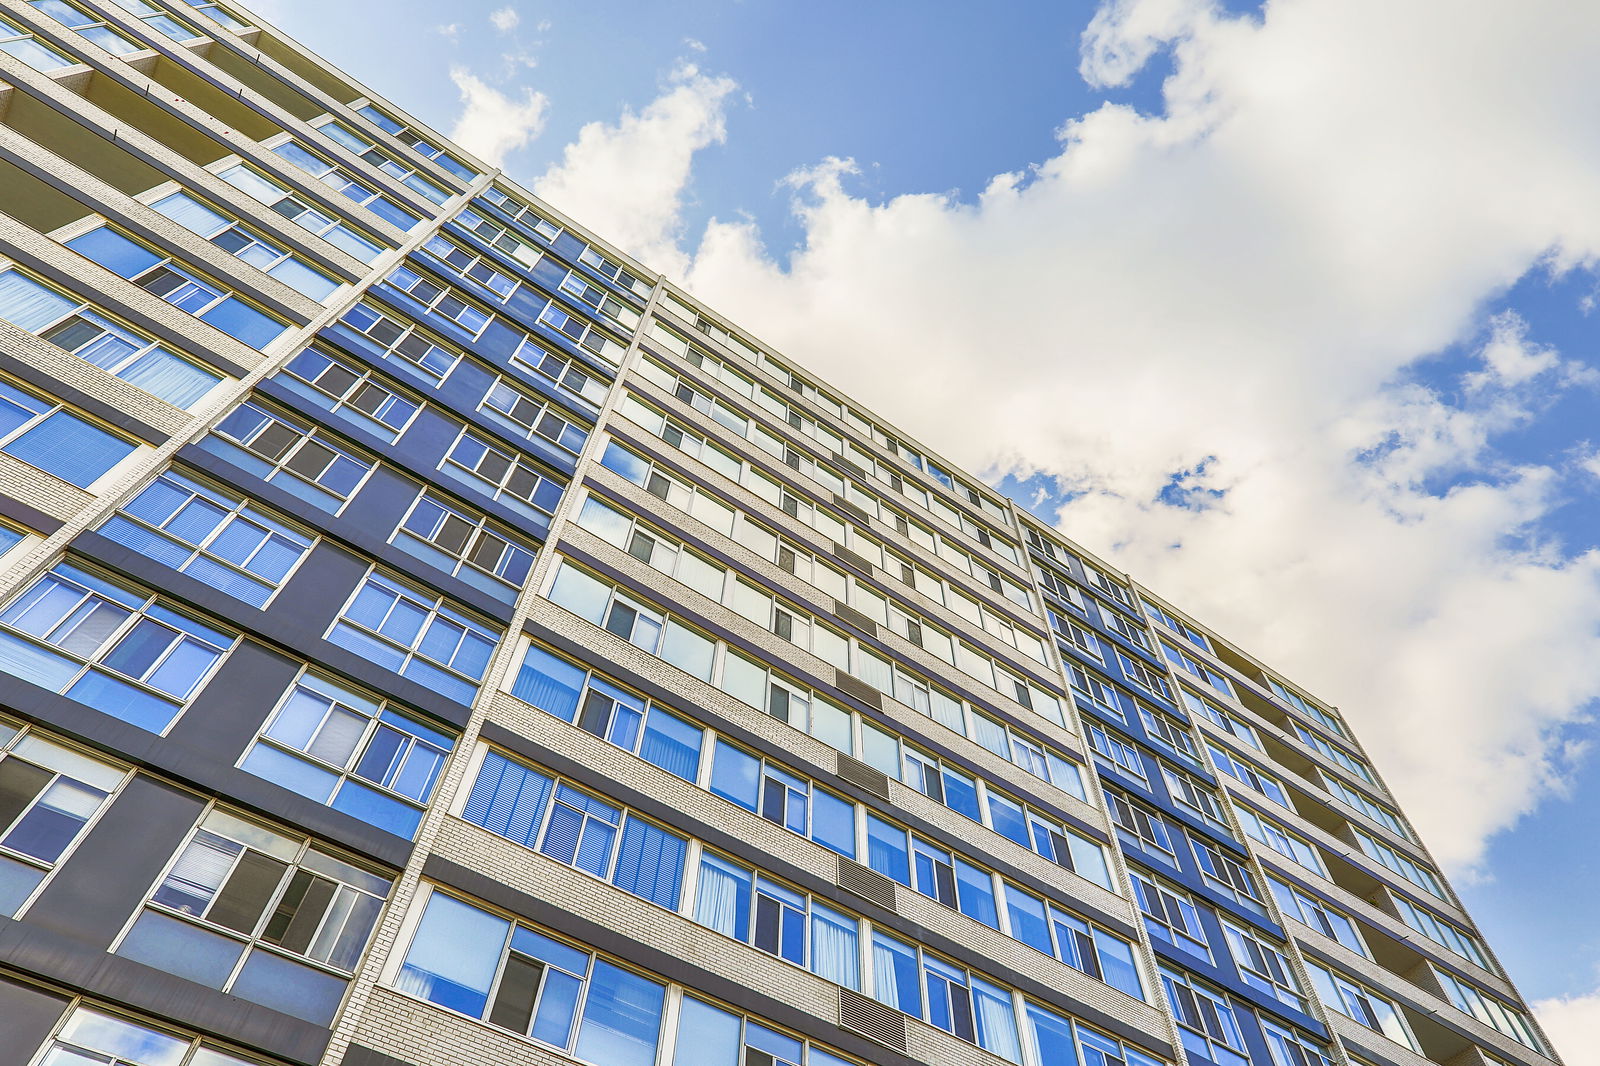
{"x":1239,"y":288}
{"x":628,"y":180}
{"x":1573,"y":1025}
{"x":504,"y":19}
{"x":492,"y":123}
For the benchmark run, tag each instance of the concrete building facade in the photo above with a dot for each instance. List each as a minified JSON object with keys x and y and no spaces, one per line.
{"x":430,"y":638}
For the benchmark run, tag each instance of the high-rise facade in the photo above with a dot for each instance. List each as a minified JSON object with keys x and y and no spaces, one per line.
{"x":427,"y":637}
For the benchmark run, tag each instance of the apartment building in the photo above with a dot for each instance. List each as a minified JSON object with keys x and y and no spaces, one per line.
{"x":430,"y":637}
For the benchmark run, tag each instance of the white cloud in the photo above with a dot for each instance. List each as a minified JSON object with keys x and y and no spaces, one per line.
{"x":628,"y":181}
{"x":1240,"y":287}
{"x":504,"y":19}
{"x":450,"y":31}
{"x":1239,"y":290}
{"x":1509,"y":357}
{"x":1573,"y":1025}
{"x":492,"y":123}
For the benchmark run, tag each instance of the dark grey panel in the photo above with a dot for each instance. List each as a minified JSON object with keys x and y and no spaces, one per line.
{"x":31,"y":517}
{"x":310,"y":600}
{"x":68,"y":962}
{"x":356,"y":1055}
{"x":28,"y":1015}
{"x":105,"y":879}
{"x":231,"y":708}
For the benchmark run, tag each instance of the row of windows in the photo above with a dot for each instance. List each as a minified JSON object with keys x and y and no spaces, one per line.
{"x":244,"y":244}
{"x":20,"y":44}
{"x":823,"y":521}
{"x":820,"y":571}
{"x":325,"y":740}
{"x":301,"y":459}
{"x":751,"y":682}
{"x":678,"y":746}
{"x":1097,"y":612}
{"x":1103,"y":697}
{"x":422,"y":146}
{"x":551,"y":317}
{"x":565,"y":823}
{"x":592,"y":834}
{"x":454,"y":537}
{"x":472,"y":266}
{"x":791,"y":416}
{"x":1108,"y":587}
{"x":80,"y":328}
{"x":89,"y":27}
{"x":664,"y":636}
{"x":177,"y":285}
{"x":722,"y":585}
{"x":505,"y":401}
{"x":315,"y":221}
{"x":260,"y":915}
{"x":866,"y":428}
{"x":109,"y":646}
{"x":159,"y":20}
{"x":779,"y":447}
{"x":548,"y":232}
{"x":563,"y":996}
{"x":346,"y":184}
{"x":215,"y":535}
{"x":1143,"y":828}
{"x":212,"y":534}
{"x":125,"y":653}
{"x":1210,"y":1029}
{"x":347,"y":138}
{"x":820,"y":519}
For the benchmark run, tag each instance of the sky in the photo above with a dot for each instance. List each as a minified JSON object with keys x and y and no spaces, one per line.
{"x":1286,"y":309}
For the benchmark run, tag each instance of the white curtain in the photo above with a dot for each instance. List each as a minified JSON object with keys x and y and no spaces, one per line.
{"x":997,"y":1022}
{"x":835,"y":947}
{"x":717,"y":900}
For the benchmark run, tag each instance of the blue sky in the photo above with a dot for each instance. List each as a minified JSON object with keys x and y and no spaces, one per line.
{"x":1340,"y":263}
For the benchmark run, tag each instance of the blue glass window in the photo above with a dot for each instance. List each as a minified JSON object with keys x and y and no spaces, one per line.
{"x":244,"y":245}
{"x":108,"y":646}
{"x":289,"y":453}
{"x":515,"y":801}
{"x":458,"y":950}
{"x":350,"y":392}
{"x":69,"y":323}
{"x":340,"y":747}
{"x":236,"y":883}
{"x":417,"y":635}
{"x":53,"y":439}
{"x":554,"y":685}
{"x":887,"y":850}
{"x":213,"y":535}
{"x":895,"y":974}
{"x":163,"y":277}
{"x":19,"y":44}
{"x":51,"y":792}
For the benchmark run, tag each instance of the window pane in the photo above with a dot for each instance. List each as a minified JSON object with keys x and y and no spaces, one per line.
{"x":621,"y":1018}
{"x":453,"y":957}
